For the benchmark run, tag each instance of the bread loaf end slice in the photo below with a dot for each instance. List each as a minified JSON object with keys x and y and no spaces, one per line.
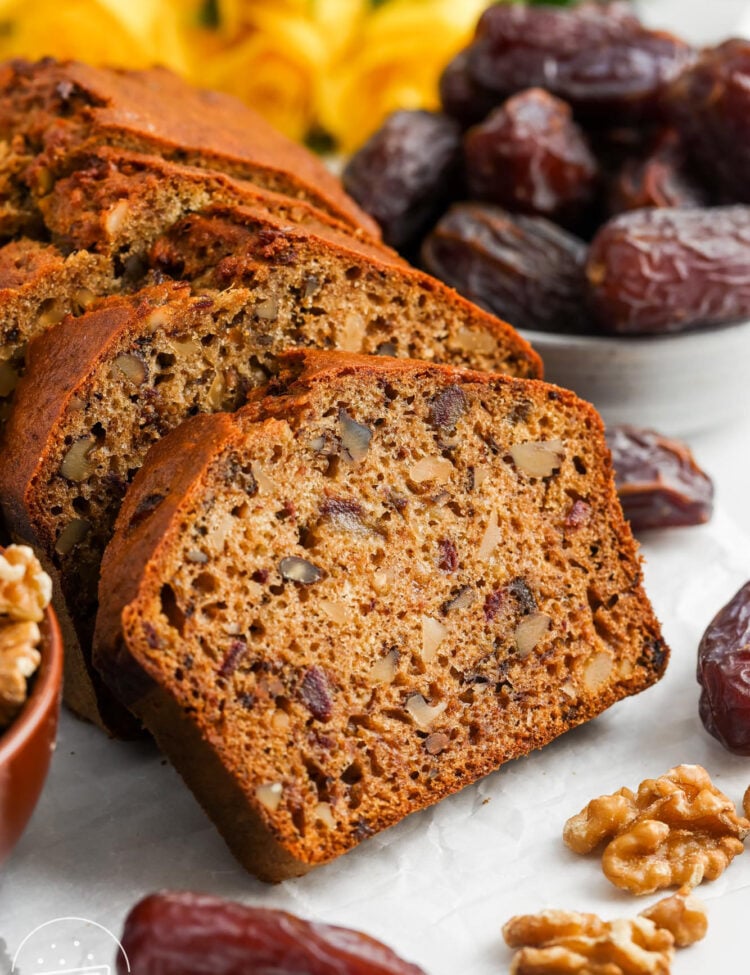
{"x":364,"y":591}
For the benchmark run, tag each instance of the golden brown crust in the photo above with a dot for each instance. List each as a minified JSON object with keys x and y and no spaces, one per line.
{"x":68,"y":104}
{"x":183,"y":477}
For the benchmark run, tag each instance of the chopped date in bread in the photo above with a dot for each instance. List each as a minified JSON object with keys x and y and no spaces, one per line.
{"x":484,"y":626}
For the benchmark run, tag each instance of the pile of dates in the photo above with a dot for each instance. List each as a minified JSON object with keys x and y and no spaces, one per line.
{"x":586,"y":174}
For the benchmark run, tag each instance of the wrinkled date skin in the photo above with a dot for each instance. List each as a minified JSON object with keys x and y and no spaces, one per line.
{"x":406,"y":173}
{"x":598,"y":57}
{"x":529,"y":156}
{"x":662,"y":178}
{"x":523,"y":269}
{"x":710,"y":105}
{"x":658,"y":481}
{"x":192,"y":934}
{"x":668,"y":270}
{"x":724,"y":674}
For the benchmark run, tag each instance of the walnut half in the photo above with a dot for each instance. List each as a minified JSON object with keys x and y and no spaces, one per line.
{"x":566,"y":942}
{"x":25,"y":589}
{"x":25,"y":592}
{"x":678,"y":829}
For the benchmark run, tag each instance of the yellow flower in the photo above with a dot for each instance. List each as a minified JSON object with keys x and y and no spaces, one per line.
{"x":272,"y":68}
{"x":134,"y":33}
{"x":396,"y":63}
{"x":280,"y":53}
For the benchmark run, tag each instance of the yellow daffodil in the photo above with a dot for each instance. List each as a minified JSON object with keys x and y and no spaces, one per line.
{"x":396,"y":63}
{"x":122,"y":32}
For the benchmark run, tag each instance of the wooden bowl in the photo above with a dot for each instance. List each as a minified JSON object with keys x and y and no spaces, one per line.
{"x":26,"y":746}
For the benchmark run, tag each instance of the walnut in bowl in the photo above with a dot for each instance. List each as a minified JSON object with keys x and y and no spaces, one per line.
{"x":31,"y":656}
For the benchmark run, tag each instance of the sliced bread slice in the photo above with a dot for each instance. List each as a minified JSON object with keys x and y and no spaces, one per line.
{"x":62,"y":108}
{"x":117,"y":202}
{"x":366,"y":590}
{"x":38,"y":287}
{"x":305,"y":272}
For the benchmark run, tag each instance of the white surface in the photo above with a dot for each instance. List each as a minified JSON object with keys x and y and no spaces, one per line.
{"x":115,"y":822}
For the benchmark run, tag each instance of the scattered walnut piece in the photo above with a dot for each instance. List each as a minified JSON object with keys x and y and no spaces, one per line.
{"x":569,"y":943}
{"x":682,"y":914}
{"x":678,"y":829}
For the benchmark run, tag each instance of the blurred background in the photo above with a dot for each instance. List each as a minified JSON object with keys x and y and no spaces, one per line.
{"x":323,"y":71}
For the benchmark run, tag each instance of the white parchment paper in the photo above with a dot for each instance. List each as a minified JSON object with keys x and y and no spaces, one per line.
{"x":116,"y":822}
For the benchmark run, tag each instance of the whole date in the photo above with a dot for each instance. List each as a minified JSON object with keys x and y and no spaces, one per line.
{"x":598,"y":57}
{"x":658,"y":481}
{"x":193,"y":934}
{"x":660,"y":178}
{"x":710,"y":105}
{"x":667,"y":270}
{"x":724,"y":674}
{"x":530,"y":156}
{"x":524,"y":269}
{"x":406,"y":173}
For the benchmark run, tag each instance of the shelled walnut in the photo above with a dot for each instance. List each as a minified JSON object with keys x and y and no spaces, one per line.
{"x":571,"y":943}
{"x":677,"y":829}
{"x":25,"y":592}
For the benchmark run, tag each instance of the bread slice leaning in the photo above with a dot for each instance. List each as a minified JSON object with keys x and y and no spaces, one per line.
{"x":306,"y":272}
{"x":365,"y":590}
{"x":38,"y":287}
{"x":101,"y":388}
{"x":117,"y":202}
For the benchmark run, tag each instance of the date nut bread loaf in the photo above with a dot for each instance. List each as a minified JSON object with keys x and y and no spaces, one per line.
{"x":100,"y":389}
{"x":59,"y":109}
{"x":365,"y":590}
{"x":307,"y":273}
